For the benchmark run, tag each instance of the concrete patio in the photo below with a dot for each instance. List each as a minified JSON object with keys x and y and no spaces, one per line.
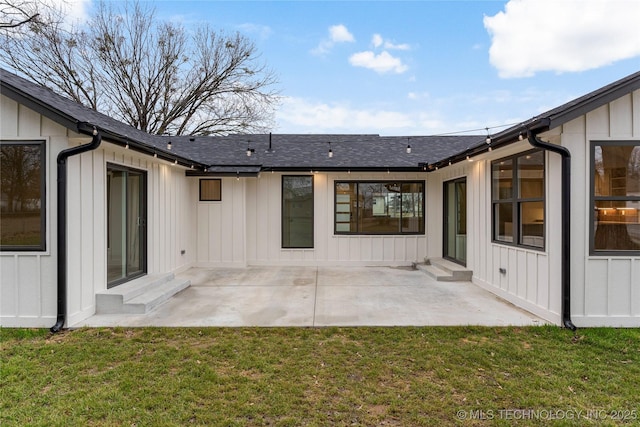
{"x":323,"y":296}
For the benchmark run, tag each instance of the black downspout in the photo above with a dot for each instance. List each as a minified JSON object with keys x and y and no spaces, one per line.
{"x":62,"y":224}
{"x":566,"y":223}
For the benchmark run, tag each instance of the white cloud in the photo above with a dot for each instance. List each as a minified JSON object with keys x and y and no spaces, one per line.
{"x":337,"y":34}
{"x":262,"y":31}
{"x":381,"y":63}
{"x":75,"y":11}
{"x":562,"y":36}
{"x":377,"y":41}
{"x":297,"y":115}
{"x":340,"y":34}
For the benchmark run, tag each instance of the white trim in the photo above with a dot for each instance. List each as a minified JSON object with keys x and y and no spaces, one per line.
{"x":27,"y":321}
{"x":606,"y":321}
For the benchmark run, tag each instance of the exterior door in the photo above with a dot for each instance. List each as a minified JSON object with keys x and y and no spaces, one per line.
{"x":455,"y":220}
{"x":126,"y":224}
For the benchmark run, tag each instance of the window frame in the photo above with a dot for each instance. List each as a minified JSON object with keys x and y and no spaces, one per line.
{"x":42,"y":247}
{"x":378,"y":181}
{"x":593,"y":199}
{"x":200,"y":190}
{"x":282,"y":218}
{"x":517,"y":201}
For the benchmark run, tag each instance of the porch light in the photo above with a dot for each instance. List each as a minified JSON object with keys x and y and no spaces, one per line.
{"x":330,"y":151}
{"x":469,"y":158}
{"x":126,"y":147}
{"x":169,"y":145}
{"x":488,"y":139}
{"x":408,"y":145}
{"x":250,"y":151}
{"x":175,"y":162}
{"x":520,"y":136}
{"x":155,"y":155}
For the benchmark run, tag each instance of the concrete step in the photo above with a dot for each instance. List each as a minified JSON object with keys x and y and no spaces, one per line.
{"x":444,"y":270}
{"x":113,"y":300}
{"x":153,"y":297}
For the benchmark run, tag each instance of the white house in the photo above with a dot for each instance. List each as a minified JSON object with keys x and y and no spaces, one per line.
{"x":544,"y":214}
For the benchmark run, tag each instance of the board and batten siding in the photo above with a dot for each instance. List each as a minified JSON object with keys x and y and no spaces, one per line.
{"x":605,"y":290}
{"x":26,"y":298}
{"x":245,"y":227}
{"x":28,"y":280}
{"x":170,"y":219}
{"x":531,"y":279}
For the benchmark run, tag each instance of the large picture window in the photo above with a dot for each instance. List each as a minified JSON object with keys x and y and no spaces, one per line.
{"x":22,"y":190}
{"x":615,"y":197}
{"x":379,"y":207}
{"x":297,"y":211}
{"x":518,"y":199}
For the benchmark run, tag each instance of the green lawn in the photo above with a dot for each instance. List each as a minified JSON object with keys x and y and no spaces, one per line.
{"x":320,"y":376}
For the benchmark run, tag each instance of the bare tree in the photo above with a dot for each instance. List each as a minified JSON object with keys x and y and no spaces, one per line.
{"x":153,"y":75}
{"x":16,"y":13}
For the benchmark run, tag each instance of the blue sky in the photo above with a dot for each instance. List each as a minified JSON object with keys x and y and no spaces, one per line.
{"x":426,"y":67}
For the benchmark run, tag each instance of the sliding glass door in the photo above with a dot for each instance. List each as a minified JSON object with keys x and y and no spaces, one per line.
{"x":126,"y":224}
{"x":455,"y":220}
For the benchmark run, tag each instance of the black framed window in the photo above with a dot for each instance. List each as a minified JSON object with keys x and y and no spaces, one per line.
{"x":297,"y":211}
{"x":379,"y":207}
{"x":210,"y":190}
{"x":518,"y":199}
{"x":615,"y":197}
{"x":23,"y":201}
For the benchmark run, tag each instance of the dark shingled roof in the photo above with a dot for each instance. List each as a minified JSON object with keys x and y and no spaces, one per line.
{"x":301,"y":152}
{"x":227,"y":154}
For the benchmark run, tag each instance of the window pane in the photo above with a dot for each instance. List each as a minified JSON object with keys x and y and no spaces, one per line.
{"x":502,"y":178}
{"x":617,"y":225}
{"x":503,"y":222}
{"x":531,"y":175}
{"x":22,"y":196}
{"x":617,"y":170}
{"x":412,"y":208}
{"x":532,"y":224}
{"x":379,"y":208}
{"x":297,"y":212}
{"x":210,"y":190}
{"x":346,"y":207}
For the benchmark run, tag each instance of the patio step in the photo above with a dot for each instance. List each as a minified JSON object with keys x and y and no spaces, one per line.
{"x":444,"y":270}
{"x":139,"y":296}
